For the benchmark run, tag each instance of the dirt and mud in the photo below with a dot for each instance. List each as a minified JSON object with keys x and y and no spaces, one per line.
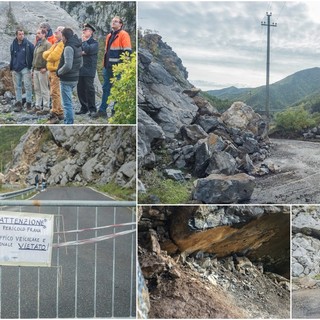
{"x":297,"y":179}
{"x":305,"y":304}
{"x":186,"y":290}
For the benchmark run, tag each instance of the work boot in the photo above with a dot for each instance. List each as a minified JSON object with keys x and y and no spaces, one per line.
{"x":17,"y":106}
{"x":43,"y":112}
{"x":99,"y":114}
{"x":82,"y":111}
{"x":34,"y":110}
{"x":28,"y":106}
{"x":53,"y":119}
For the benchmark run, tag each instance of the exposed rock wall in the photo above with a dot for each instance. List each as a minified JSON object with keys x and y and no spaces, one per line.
{"x":237,"y":259}
{"x":176,"y":119}
{"x":79,"y":154}
{"x":100,"y":14}
{"x":305,"y":246}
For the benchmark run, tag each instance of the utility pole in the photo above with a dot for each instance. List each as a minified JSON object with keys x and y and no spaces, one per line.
{"x":268,"y":24}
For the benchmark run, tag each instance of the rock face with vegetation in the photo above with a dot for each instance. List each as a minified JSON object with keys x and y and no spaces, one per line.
{"x":179,"y":129}
{"x":306,"y":242}
{"x":305,"y":261}
{"x":80,"y":155}
{"x":216,"y":261}
{"x":100,"y":14}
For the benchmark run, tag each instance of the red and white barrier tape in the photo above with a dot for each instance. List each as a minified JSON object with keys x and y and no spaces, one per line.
{"x":92,"y":240}
{"x":97,"y":228}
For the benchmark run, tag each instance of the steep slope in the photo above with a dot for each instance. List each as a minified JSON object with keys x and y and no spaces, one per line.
{"x":181,"y":134}
{"x":283,"y":93}
{"x":216,"y":261}
{"x":79,"y":155}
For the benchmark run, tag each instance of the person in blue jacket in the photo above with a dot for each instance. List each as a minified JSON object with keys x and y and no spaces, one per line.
{"x":85,"y":86}
{"x":21,"y":51}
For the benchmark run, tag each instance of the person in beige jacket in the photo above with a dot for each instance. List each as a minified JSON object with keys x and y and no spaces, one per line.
{"x":40,"y":75}
{"x":52,"y":56}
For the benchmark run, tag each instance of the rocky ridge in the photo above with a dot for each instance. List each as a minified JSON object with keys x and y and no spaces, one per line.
{"x":221,"y":151}
{"x":216,"y":261}
{"x":80,"y":154}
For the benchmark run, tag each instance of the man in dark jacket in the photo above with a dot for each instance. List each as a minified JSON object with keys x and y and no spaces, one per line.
{"x":85,"y":87}
{"x":68,"y":71}
{"x":21,"y":51}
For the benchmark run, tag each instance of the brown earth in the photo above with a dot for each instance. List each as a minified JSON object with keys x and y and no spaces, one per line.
{"x":184,"y":290}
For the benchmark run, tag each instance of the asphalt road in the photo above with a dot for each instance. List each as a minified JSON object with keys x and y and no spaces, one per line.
{"x":59,"y":295}
{"x":298,"y":180}
{"x":305,"y":304}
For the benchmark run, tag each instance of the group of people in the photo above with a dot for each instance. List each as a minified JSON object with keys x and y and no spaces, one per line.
{"x":58,"y":62}
{"x":40,"y":181}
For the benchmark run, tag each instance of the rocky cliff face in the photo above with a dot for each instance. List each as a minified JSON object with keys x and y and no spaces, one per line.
{"x":221,"y":151}
{"x":306,"y":242}
{"x":216,"y":261}
{"x":305,"y":261}
{"x":100,"y":14}
{"x":82,"y":155}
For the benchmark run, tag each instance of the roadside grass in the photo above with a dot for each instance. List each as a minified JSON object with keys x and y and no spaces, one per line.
{"x":165,"y":191}
{"x":10,"y":137}
{"x":116,"y":191}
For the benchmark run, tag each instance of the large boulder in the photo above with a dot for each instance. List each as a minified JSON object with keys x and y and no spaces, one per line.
{"x":220,"y":188}
{"x":149,"y":132}
{"x":243,"y":117}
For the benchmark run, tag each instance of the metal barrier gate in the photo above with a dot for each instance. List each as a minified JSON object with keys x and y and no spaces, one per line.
{"x":93,"y":271}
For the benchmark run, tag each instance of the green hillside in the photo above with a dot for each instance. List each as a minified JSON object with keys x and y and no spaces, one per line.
{"x":10,"y":137}
{"x":292,"y":90}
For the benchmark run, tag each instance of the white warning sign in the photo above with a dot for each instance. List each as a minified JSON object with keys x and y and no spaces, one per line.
{"x":26,"y":239}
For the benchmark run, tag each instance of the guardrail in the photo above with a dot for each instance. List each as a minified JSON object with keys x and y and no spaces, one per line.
{"x":67,"y":203}
{"x":14,"y":194}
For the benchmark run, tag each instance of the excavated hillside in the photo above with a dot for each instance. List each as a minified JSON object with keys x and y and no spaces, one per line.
{"x":79,"y":155}
{"x":183,"y":137}
{"x":215,"y":261}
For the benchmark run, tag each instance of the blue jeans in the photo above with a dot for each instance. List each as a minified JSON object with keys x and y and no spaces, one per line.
{"x":107,"y":75}
{"x":25,"y":76}
{"x":66,"y":89}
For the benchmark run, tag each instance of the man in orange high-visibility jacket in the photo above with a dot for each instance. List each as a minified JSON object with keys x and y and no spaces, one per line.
{"x":117,"y":42}
{"x":50,"y":36}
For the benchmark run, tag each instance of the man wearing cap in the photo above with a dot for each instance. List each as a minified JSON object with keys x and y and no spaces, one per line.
{"x":50,"y":36}
{"x":85,"y":86}
{"x":117,"y":42}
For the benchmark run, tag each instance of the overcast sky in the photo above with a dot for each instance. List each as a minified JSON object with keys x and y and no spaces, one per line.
{"x":222,"y":43}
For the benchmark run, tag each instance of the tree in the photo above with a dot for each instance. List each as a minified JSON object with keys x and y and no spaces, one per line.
{"x":123,"y":90}
{"x":294,"y":119}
